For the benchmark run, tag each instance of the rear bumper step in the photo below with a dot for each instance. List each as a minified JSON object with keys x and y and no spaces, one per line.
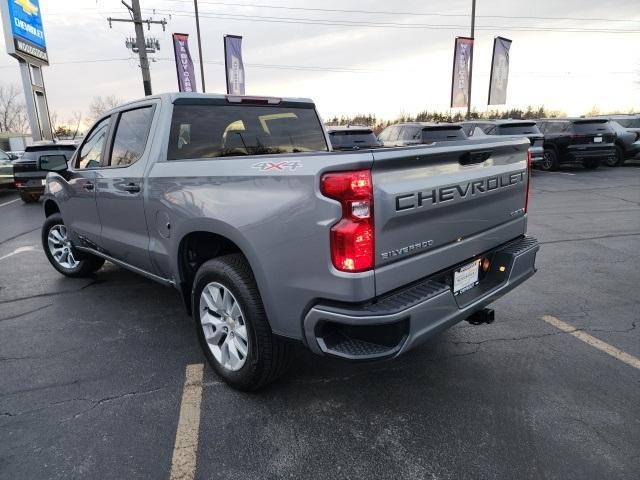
{"x":392,"y":324}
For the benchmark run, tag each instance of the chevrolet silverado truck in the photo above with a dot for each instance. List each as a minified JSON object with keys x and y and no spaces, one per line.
{"x":273,"y":239}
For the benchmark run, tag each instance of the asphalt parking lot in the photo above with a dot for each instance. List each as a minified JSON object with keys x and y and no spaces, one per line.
{"x":92,"y":370}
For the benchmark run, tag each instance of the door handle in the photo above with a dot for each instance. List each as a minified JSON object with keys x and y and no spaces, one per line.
{"x":88,"y":186}
{"x":131,"y":188}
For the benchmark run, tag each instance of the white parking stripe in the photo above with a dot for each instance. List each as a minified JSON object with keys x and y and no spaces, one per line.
{"x":593,"y":341}
{"x":183,"y":463}
{"x":17,"y":251}
{"x":8,"y":203}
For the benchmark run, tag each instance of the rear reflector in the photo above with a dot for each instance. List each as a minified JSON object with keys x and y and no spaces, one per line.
{"x":352,"y":238}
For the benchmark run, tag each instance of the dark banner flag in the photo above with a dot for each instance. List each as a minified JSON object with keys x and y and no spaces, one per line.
{"x":499,"y":71}
{"x":234,"y":67}
{"x":184,"y":64}
{"x":460,"y":80}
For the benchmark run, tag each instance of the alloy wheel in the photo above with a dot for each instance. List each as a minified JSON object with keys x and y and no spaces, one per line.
{"x":60,"y":247}
{"x":224,"y":327}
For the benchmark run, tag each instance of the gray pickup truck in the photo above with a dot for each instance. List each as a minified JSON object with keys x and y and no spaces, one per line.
{"x":272,"y":239}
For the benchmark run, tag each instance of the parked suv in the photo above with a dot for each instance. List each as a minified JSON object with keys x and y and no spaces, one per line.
{"x":29,"y":179}
{"x":352,"y":137}
{"x":627,"y":128}
{"x":525,"y":128}
{"x":6,"y":170}
{"x":416,"y":133}
{"x":583,"y":141}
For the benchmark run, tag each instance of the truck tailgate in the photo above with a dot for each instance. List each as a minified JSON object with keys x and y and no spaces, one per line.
{"x":439,"y":205}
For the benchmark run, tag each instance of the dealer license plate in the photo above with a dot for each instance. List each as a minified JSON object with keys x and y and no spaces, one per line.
{"x":466,"y":277}
{"x":597,"y":139}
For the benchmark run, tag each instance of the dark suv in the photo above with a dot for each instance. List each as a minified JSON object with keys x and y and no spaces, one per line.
{"x":627,"y":128}
{"x":520,"y":128}
{"x":29,"y":180}
{"x":352,"y":137}
{"x":416,"y":133}
{"x":583,"y":141}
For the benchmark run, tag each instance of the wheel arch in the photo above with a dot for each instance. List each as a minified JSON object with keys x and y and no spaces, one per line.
{"x":50,"y":207}
{"x":204,"y":242}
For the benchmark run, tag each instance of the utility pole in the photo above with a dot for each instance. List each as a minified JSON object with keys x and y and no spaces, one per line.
{"x":473,"y":36}
{"x":195,"y":3}
{"x":141,"y":45}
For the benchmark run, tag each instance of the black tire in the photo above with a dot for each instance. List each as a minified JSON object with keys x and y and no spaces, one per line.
{"x":616,"y":160}
{"x":550,"y":161}
{"x":591,"y":164}
{"x":87,"y":263}
{"x":268,"y":357}
{"x":29,"y":197}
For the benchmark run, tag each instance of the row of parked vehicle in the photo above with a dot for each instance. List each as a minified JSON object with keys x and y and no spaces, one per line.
{"x":555,"y":141}
{"x":23,"y":173}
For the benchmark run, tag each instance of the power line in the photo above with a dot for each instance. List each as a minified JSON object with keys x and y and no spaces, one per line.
{"x":378,"y":12}
{"x":357,"y":23}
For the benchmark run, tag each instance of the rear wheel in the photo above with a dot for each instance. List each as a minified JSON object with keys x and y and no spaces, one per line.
{"x":616,"y":160}
{"x":550,"y":160}
{"x":60,"y":252}
{"x":29,"y":197}
{"x":232,"y":325}
{"x":591,"y":164}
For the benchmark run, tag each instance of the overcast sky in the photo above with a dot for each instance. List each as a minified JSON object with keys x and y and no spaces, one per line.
{"x":361,"y":67}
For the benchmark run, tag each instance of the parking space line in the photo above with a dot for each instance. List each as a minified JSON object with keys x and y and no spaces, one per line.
{"x":18,"y":250}
{"x":593,"y":341}
{"x":9,"y":202}
{"x":183,"y":463}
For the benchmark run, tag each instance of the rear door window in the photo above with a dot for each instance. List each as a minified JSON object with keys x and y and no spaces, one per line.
{"x":211,"y":131}
{"x":131,"y":136}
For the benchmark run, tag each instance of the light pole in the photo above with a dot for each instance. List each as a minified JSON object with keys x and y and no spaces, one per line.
{"x":195,"y":3}
{"x":473,"y":31}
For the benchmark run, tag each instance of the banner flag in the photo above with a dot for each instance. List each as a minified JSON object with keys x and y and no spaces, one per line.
{"x":499,"y":71}
{"x":233,"y":65}
{"x":460,"y":79}
{"x":184,"y":64}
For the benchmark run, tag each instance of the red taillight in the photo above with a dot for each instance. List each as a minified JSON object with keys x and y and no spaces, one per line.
{"x":526,"y":200}
{"x":352,"y":238}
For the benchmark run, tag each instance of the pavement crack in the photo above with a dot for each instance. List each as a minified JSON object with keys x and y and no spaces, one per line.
{"x":597,"y":237}
{"x":18,"y":235}
{"x":23,"y":314}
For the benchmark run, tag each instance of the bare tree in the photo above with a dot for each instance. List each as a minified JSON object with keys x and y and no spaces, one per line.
{"x":13,"y":112}
{"x":100,"y":104}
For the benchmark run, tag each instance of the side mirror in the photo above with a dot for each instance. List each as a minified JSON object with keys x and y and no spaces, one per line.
{"x":52,"y":163}
{"x":13,"y":156}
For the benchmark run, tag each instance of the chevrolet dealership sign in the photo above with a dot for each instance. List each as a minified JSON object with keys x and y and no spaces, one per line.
{"x":23,"y":32}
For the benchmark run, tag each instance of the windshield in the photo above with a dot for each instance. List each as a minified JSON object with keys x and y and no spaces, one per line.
{"x":207,"y":131}
{"x":33,"y":155}
{"x":353,"y":138}
{"x":519,"y":129}
{"x":442,"y":134}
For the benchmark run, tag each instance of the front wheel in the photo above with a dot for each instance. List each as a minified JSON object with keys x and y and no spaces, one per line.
{"x":60,"y":252}
{"x":232,"y":325}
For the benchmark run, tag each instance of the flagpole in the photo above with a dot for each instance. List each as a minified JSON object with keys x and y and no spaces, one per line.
{"x":195,"y":3}
{"x":473,"y":31}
